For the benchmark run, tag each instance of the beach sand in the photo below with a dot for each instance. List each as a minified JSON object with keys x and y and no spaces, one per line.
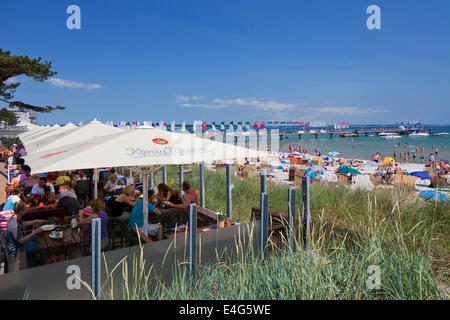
{"x":361,"y":181}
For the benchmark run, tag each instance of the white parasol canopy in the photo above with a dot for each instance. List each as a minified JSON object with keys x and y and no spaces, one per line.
{"x":141,"y":147}
{"x":55,"y":139}
{"x":31,"y":135}
{"x":39,"y":140}
{"x":28,"y":125}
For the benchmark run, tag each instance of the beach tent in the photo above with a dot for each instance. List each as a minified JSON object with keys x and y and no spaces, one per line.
{"x":388,"y":160}
{"x":56,"y":139}
{"x":145,"y":150}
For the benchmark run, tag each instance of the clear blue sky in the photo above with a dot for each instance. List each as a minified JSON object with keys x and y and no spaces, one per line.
{"x":236,"y":60}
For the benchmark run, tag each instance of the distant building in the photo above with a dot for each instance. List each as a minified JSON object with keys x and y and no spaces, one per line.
{"x":25,"y":116}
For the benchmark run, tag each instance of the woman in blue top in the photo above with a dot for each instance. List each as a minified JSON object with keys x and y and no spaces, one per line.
{"x":136,"y":221}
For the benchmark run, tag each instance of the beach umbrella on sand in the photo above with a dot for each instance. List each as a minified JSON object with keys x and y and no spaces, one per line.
{"x":348,"y":170}
{"x":333,"y":154}
{"x":388,"y":160}
{"x":420,"y":174}
{"x":433,"y":195}
{"x":328,"y":159}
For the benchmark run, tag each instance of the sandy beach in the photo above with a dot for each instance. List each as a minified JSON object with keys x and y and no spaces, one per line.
{"x":361,"y":181}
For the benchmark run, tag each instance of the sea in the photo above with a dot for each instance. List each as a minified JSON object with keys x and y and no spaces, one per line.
{"x":363,"y":147}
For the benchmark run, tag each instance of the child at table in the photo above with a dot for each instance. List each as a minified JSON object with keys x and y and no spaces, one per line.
{"x":96,"y":209}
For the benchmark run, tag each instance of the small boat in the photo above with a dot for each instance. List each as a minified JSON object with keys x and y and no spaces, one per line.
{"x":323,"y":131}
{"x":419,"y":134}
{"x":348,"y":135}
{"x":391,"y":136}
{"x":301,"y":131}
{"x":386,"y":134}
{"x":441,"y":134}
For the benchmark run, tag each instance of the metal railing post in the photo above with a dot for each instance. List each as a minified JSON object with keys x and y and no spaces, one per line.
{"x":192,"y":228}
{"x":202,"y":184}
{"x":229,"y":193}
{"x":264,"y":224}
{"x":305,"y":194}
{"x":95,"y":258}
{"x":263,"y":181}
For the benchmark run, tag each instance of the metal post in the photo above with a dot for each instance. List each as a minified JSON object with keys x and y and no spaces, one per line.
{"x":181,"y":174}
{"x":95,"y":258}
{"x":305,"y":193}
{"x":229,"y":193}
{"x":202,"y":184}
{"x":192,"y":240}
{"x":264,"y":224}
{"x":165,"y":174}
{"x":151,"y":181}
{"x":263,"y":181}
{"x":145,"y":203}
{"x":292,"y":218}
{"x":96,"y":183}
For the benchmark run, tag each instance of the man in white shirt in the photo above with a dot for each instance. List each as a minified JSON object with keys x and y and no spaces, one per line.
{"x":39,"y":189}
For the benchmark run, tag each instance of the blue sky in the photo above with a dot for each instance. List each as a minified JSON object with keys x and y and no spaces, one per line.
{"x":236,"y":60}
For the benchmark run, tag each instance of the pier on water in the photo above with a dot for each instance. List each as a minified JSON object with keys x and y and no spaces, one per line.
{"x":351,"y":133}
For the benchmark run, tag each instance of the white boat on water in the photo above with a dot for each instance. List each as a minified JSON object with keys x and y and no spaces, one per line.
{"x":441,"y":134}
{"x":419,"y":134}
{"x":391,"y":136}
{"x":301,"y":131}
{"x":382,"y":134}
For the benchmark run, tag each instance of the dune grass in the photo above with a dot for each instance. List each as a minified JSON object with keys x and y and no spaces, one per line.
{"x":402,"y":235}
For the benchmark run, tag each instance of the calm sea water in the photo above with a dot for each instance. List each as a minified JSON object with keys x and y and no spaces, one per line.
{"x":364,"y":147}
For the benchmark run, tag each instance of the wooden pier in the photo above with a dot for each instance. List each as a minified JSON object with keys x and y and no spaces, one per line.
{"x":352,"y":133}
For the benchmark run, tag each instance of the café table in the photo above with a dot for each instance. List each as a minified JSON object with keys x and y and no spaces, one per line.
{"x":74,"y":242}
{"x":44,"y":213}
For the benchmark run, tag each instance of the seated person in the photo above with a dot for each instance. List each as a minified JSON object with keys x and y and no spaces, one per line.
{"x":137,"y":220}
{"x":138,"y":185}
{"x":95,"y":210}
{"x":166,"y":194}
{"x":43,"y":188}
{"x":120,"y":207}
{"x":80,"y":175}
{"x":63,"y":179}
{"x":22,"y":244}
{"x":52,"y":176}
{"x":15,"y":197}
{"x":112,"y":184}
{"x":68,"y":199}
{"x":25,"y":179}
{"x":189,"y":197}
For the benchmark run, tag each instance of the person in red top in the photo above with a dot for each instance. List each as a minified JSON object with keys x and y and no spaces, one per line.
{"x":189,"y":197}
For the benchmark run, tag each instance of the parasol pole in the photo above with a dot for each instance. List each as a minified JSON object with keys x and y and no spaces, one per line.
{"x":145,"y":201}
